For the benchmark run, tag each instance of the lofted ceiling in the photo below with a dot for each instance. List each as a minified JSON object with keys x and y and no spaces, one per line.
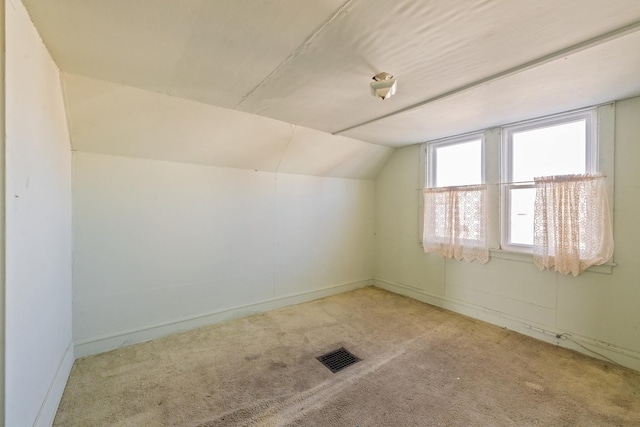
{"x":461,"y":65}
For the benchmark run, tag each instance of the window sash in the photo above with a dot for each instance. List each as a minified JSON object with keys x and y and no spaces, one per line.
{"x":506,"y":226}
{"x":591,"y":165}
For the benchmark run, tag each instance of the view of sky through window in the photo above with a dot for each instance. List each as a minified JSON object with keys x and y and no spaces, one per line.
{"x":458,"y":164}
{"x":544,"y":151}
{"x":553,"y":150}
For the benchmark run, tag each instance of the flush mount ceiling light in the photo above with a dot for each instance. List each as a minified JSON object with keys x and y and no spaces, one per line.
{"x":383,"y":85}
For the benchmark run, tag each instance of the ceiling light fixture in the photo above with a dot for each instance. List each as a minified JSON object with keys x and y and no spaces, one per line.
{"x":383,"y":85}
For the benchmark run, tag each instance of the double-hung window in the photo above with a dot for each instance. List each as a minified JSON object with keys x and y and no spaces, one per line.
{"x":562,"y":145}
{"x":455,"y":200}
{"x":464,"y":215}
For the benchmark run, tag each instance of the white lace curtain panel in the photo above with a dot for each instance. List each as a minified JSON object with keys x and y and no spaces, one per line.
{"x":455,"y":222}
{"x":572,"y":225}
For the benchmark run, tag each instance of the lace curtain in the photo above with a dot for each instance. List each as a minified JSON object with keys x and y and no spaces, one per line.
{"x":572,"y":227}
{"x":455,"y":222}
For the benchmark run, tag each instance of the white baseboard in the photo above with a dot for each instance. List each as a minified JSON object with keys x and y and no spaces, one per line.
{"x":102,"y":344}
{"x":51,"y":401}
{"x":589,"y":346}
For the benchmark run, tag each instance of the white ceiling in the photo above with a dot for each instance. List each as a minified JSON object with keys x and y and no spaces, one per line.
{"x":109,"y":118}
{"x":461,"y":65}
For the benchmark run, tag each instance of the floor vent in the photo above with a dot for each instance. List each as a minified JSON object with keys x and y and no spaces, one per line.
{"x":338,"y":360}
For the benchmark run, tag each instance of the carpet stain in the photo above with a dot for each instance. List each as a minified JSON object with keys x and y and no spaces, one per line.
{"x":534,"y":386}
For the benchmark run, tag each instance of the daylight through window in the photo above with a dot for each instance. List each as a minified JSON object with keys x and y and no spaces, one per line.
{"x":562,"y":145}
{"x":500,"y":165}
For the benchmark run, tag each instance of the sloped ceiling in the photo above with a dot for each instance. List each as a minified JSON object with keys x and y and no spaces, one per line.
{"x":110,"y":118}
{"x":461,"y":64}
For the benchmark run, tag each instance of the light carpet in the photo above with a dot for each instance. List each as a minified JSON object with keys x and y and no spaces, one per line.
{"x":421,"y":366}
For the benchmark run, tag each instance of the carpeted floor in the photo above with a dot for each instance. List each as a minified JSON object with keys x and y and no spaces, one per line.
{"x":421,"y":366}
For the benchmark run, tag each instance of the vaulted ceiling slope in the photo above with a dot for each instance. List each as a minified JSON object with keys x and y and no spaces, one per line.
{"x":461,"y":65}
{"x":109,"y":118}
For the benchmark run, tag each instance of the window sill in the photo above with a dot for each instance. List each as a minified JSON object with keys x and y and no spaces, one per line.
{"x":606,"y":268}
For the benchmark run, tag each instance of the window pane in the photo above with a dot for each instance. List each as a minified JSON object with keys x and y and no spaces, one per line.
{"x":521,"y":215}
{"x":458,"y":164}
{"x":553,"y":150}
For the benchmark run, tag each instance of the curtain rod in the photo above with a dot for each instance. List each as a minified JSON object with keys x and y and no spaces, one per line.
{"x":500,"y":183}
{"x":561,"y":178}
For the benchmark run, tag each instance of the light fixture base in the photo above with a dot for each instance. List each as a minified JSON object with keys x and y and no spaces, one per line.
{"x":383,"y":86}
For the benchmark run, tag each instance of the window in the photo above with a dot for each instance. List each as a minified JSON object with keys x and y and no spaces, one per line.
{"x":560,"y":145}
{"x":495,"y":170}
{"x":456,"y":162}
{"x":455,"y":218}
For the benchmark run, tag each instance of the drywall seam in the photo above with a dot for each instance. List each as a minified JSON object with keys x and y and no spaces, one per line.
{"x":622,"y":356}
{"x":99,"y":345}
{"x":294,"y":130}
{"x":576,"y":48}
{"x":49,"y":407}
{"x":2,"y":212}
{"x":297,"y":52}
{"x":65,"y":100}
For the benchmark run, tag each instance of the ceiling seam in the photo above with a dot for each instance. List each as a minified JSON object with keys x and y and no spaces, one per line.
{"x":294,"y":129}
{"x":298,"y":51}
{"x":576,"y":48}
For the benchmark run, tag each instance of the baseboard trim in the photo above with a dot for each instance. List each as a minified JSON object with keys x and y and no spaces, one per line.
{"x":51,"y":401}
{"x":585,"y":345}
{"x":111,"y":342}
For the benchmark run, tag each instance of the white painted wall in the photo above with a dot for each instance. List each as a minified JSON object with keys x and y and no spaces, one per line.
{"x":39,"y":353}
{"x":186,"y":213}
{"x":165,"y":246}
{"x":2,"y":214}
{"x":598,"y":310}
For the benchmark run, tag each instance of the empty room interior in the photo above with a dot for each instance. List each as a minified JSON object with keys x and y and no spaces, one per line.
{"x":320,"y":213}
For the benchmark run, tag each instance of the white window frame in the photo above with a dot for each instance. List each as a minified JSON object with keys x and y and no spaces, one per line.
{"x":427,"y":161}
{"x":591,"y":164}
{"x":431,"y":158}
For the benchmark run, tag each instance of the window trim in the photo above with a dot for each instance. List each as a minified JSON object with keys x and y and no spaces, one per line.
{"x":590,"y":116}
{"x":604,"y":130}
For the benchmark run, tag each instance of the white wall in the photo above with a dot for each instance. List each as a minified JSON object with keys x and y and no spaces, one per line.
{"x":39,"y":353}
{"x":2,"y":214}
{"x":165,"y":246}
{"x":187,"y":213}
{"x":598,"y":310}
